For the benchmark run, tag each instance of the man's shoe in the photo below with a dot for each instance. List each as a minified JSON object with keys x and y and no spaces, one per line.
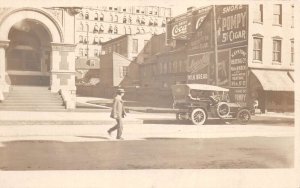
{"x":120,"y":138}
{"x":109,"y":133}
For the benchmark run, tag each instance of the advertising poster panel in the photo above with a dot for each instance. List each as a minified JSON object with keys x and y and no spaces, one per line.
{"x":198,"y":68}
{"x":202,"y":40}
{"x":232,"y":24}
{"x":238,"y":71}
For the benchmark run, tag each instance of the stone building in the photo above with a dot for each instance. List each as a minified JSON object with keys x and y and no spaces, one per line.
{"x":37,"y":48}
{"x":95,"y":25}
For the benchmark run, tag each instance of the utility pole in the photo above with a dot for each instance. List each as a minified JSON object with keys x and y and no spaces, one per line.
{"x":215,"y":45}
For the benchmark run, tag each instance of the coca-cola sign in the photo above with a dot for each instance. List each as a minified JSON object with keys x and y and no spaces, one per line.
{"x":178,"y":29}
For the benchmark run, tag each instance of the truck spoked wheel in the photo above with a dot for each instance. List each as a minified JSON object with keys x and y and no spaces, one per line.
{"x":198,"y":116}
{"x":223,"y":110}
{"x":243,"y":116}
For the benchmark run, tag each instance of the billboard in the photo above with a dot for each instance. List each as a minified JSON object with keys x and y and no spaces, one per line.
{"x":183,"y":26}
{"x":232,"y":24}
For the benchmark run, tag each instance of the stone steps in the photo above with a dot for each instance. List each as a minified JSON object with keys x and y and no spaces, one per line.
{"x":32,"y":98}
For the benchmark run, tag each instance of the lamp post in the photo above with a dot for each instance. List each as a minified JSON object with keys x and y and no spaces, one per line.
{"x":215,"y":44}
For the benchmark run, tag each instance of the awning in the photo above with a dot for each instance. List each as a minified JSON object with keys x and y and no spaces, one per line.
{"x":291,"y":75}
{"x":272,"y":80}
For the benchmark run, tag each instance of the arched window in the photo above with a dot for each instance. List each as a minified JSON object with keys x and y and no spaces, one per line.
{"x":80,"y":15}
{"x":116,"y":18}
{"x":86,"y":16}
{"x":96,"y":16}
{"x":143,"y":21}
{"x":111,"y":18}
{"x":138,"y":30}
{"x":80,"y":52}
{"x":116,"y":30}
{"x":85,"y":52}
{"x":81,"y":26}
{"x":151,"y":21}
{"x":80,"y":39}
{"x":125,"y":30}
{"x":110,"y":29}
{"x":101,"y":29}
{"x":85,"y":40}
{"x":124,"y":19}
{"x":101,"y":18}
{"x":155,"y":22}
{"x":96,"y":28}
{"x":138,"y":21}
{"x":129,"y":20}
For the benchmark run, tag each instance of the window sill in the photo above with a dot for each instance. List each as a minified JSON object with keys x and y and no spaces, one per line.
{"x":276,"y":63}
{"x":258,"y":22}
{"x":257,"y":61}
{"x":279,"y":25}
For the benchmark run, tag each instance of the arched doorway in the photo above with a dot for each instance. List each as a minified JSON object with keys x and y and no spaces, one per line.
{"x":28,"y":54}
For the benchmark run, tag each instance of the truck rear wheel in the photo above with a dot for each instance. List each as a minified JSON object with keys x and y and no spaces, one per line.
{"x":198,"y":116}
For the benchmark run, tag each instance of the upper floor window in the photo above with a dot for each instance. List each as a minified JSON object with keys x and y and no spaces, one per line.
{"x":142,"y":30}
{"x":86,"y":16}
{"x":86,"y":52}
{"x":116,"y":18}
{"x":155,"y":22}
{"x":129,"y":20}
{"x":116,"y":30}
{"x":163,"y":24}
{"x":80,"y":52}
{"x":143,"y":21}
{"x":276,"y":51}
{"x":80,"y":39}
{"x":111,"y":18}
{"x":101,"y":18}
{"x":96,"y":16}
{"x":292,"y":51}
{"x":101,"y":28}
{"x":151,"y":22}
{"x":258,"y":13}
{"x":80,"y":15}
{"x":110,"y":29}
{"x":135,"y":46}
{"x":125,"y":32}
{"x":110,"y":8}
{"x":95,"y":40}
{"x":129,"y":30}
{"x":138,"y":20}
{"x":96,"y":28}
{"x":257,"y":49}
{"x":138,"y":30}
{"x":277,"y":14}
{"x":124,"y":19}
{"x":96,"y":52}
{"x":292,"y":24}
{"x":81,"y":26}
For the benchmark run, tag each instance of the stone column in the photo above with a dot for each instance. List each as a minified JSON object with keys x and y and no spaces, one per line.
{"x":63,"y":70}
{"x":4,"y":87}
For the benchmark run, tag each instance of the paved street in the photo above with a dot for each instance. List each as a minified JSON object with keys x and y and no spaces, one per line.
{"x":146,"y":146}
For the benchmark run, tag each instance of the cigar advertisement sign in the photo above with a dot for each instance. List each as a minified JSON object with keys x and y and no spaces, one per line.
{"x":232,"y":24}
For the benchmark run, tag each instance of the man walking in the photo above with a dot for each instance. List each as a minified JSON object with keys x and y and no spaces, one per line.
{"x":118,"y":113}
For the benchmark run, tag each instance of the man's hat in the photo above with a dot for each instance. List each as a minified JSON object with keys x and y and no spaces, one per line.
{"x":120,"y":91}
